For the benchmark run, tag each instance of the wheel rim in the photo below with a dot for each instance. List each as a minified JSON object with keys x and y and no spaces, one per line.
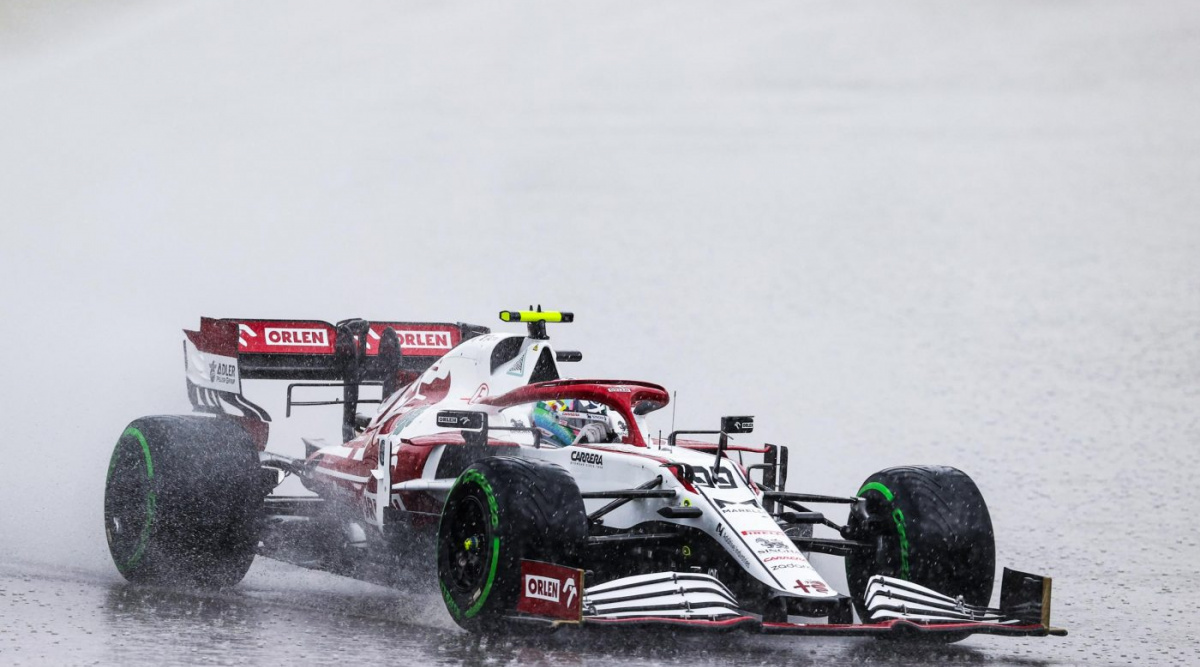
{"x":469,"y":545}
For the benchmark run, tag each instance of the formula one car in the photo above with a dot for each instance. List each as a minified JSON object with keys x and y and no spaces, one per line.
{"x":541,"y":502}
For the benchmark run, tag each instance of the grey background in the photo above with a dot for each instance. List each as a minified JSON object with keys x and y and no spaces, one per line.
{"x":921,"y":232}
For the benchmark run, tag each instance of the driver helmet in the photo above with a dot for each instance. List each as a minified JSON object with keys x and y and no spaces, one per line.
{"x":565,"y":422}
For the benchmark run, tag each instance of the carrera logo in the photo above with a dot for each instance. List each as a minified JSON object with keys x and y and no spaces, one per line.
{"x":297,"y":337}
{"x":768,"y":559}
{"x":587,"y":458}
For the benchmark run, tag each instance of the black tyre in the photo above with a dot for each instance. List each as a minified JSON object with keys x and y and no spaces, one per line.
{"x":182,"y":501}
{"x":930,"y":526}
{"x":500,"y":511}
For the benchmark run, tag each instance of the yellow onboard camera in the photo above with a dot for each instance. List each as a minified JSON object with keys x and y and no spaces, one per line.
{"x":536,"y":316}
{"x":537,"y":319}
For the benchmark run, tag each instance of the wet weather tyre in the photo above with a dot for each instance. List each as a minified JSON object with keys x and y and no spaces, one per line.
{"x":503,"y":510}
{"x":182,"y":501}
{"x":930,"y":525}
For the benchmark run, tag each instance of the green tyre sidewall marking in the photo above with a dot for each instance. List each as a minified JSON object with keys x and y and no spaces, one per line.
{"x":451,"y":605}
{"x":876,"y":486}
{"x":900,"y":522}
{"x":151,"y":497}
{"x":475,"y":477}
{"x":902,"y":531}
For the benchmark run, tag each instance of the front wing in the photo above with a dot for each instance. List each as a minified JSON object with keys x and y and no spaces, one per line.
{"x":896,"y":608}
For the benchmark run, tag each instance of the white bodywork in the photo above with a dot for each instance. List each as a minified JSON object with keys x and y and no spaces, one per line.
{"x":731,"y":505}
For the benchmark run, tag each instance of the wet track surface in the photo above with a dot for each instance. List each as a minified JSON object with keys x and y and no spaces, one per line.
{"x":283,"y":618}
{"x":922,"y":232}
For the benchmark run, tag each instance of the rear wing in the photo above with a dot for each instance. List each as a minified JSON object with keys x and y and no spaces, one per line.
{"x":350,"y":353}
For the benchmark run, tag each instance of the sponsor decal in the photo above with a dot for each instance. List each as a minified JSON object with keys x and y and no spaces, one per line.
{"x":211,"y":371}
{"x":735,"y":547}
{"x":811,"y":586}
{"x":424,"y":339}
{"x":771,"y":544}
{"x":620,"y":389}
{"x":297,"y":337}
{"x":737,"y":424}
{"x":762,"y":532}
{"x":738,"y":508}
{"x":719,"y":478}
{"x":316,"y":337}
{"x":588,"y":459}
{"x":768,"y":559}
{"x":786,"y":566}
{"x":474,"y":421}
{"x":551,"y":590}
{"x":542,"y":588}
{"x":722,"y":504}
{"x":480,"y":394}
{"x":414,"y":340}
{"x":223,"y":373}
{"x":518,"y":368}
{"x":244,"y":331}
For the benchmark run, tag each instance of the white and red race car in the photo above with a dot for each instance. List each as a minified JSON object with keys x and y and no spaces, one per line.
{"x":542,"y":502}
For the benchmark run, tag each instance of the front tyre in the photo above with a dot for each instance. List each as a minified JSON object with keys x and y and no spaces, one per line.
{"x":930,"y":526}
{"x":182,"y":501}
{"x":503,"y":510}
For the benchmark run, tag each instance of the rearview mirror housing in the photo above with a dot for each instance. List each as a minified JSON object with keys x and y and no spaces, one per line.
{"x":744,"y":424}
{"x":464,"y":420}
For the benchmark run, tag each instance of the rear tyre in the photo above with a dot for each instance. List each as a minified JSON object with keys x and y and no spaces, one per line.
{"x":930,"y":526}
{"x":182,"y":501}
{"x":503,"y":510}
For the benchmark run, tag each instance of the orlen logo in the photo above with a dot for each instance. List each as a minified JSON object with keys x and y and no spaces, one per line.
{"x":550,"y":590}
{"x":424,"y":339}
{"x":587,"y":458}
{"x":294,"y":337}
{"x":542,"y":588}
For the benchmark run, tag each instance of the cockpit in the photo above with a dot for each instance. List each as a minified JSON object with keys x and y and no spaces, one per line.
{"x":573,"y":421}
{"x":567,"y":412}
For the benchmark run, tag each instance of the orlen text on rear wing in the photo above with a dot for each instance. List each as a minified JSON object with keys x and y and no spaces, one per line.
{"x":350,"y":353}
